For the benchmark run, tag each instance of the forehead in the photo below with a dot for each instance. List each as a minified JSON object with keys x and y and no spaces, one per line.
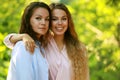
{"x":59,"y":12}
{"x":41,"y":11}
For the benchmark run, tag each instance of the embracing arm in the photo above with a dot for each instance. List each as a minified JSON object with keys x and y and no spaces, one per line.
{"x":7,"y":40}
{"x":11,"y":39}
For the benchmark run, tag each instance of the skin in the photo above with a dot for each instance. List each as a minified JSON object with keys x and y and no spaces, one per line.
{"x":59,"y":26}
{"x":40,"y":21}
{"x":59,"y":22}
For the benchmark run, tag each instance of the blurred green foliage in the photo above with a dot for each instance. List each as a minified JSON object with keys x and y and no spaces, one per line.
{"x":97,"y":24}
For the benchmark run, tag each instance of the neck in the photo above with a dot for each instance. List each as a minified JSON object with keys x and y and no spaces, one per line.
{"x":59,"y":41}
{"x":38,"y":36}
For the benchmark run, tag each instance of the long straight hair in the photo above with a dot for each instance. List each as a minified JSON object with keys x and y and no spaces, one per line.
{"x":25,"y":22}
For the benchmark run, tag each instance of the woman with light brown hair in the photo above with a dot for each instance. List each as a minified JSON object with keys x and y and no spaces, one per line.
{"x":66,"y":55}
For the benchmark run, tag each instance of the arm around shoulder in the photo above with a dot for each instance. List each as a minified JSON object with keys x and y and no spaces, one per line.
{"x":11,"y":39}
{"x":7,"y":41}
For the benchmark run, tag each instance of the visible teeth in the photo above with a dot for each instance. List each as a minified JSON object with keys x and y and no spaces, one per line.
{"x":59,"y":28}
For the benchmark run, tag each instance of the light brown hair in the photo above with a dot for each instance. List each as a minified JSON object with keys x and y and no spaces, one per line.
{"x":75,"y":49}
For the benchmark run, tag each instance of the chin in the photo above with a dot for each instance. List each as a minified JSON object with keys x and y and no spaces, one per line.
{"x":59,"y":34}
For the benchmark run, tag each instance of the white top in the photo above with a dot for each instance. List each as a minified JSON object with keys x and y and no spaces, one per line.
{"x":26,"y":66}
{"x":59,"y":64}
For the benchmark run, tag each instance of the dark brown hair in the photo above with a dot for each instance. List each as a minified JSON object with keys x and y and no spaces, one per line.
{"x":75,"y":49}
{"x":25,"y":22}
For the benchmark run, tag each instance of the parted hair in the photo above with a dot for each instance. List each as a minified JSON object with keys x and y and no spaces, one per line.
{"x":75,"y":49}
{"x":25,"y":21}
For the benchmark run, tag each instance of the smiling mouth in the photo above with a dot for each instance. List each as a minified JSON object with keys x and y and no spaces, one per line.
{"x":59,"y":28}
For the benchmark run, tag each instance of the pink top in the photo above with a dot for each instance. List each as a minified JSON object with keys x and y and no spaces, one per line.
{"x":59,"y":63}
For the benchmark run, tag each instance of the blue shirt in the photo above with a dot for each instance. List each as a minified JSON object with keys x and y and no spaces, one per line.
{"x":26,"y":66}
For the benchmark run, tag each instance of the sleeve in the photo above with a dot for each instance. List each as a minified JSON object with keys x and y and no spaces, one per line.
{"x":21,"y":63}
{"x":7,"y":41}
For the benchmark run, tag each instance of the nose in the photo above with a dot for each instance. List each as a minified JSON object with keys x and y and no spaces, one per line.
{"x":59,"y":21}
{"x":43,"y":21}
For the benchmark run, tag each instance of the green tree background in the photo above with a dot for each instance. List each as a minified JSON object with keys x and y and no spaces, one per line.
{"x":97,"y":24}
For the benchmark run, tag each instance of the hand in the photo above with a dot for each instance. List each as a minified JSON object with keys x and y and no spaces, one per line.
{"x":29,"y":43}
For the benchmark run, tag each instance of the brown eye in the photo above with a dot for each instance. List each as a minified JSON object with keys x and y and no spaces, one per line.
{"x":54,"y":18}
{"x":38,"y":18}
{"x":64,"y":19}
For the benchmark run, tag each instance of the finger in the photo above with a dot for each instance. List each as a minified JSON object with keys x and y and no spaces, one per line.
{"x":26,"y":46}
{"x":32,"y":46}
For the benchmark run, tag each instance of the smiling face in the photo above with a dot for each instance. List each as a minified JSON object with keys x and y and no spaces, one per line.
{"x":59,"y":22}
{"x":40,"y":21}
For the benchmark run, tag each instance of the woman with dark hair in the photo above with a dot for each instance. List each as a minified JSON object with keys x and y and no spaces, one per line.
{"x":24,"y":66}
{"x":65,"y":54}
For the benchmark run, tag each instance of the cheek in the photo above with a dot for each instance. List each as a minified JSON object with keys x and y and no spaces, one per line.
{"x":53,"y":26}
{"x":32,"y":22}
{"x":54,"y":23}
{"x":66,"y":28}
{"x":66,"y":23}
{"x":48,"y":23}
{"x":34,"y":28}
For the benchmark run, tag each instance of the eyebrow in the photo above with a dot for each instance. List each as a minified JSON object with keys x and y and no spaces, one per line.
{"x":40,"y":15}
{"x":62,"y":16}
